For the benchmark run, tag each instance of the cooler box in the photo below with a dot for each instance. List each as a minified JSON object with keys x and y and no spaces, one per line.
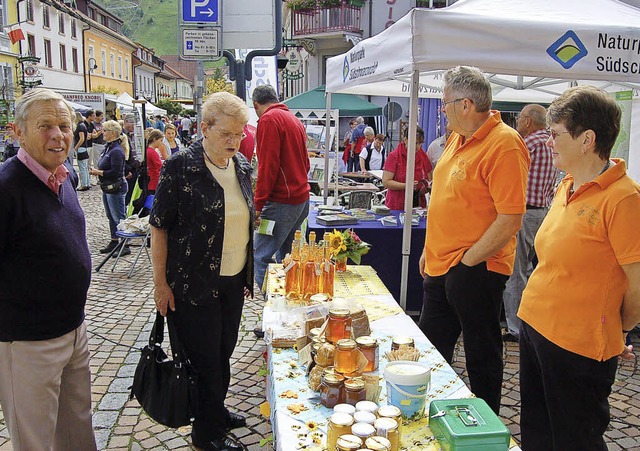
{"x":467,"y":424}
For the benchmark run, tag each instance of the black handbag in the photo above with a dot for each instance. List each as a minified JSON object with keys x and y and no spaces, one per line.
{"x":111,"y":187}
{"x":166,"y":389}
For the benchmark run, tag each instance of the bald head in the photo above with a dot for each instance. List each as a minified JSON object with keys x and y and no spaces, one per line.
{"x":532,"y":118}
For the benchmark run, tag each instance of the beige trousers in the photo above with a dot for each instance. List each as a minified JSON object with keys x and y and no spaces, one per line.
{"x":45,"y":393}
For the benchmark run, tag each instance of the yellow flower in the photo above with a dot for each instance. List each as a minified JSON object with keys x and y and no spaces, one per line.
{"x":312,"y":426}
{"x":337,"y":242}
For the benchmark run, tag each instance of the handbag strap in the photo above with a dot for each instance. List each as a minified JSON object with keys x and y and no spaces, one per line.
{"x":157,"y":333}
{"x":177,"y":349}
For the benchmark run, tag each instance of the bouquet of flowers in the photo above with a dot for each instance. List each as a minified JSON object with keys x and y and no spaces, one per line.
{"x":347,"y":244}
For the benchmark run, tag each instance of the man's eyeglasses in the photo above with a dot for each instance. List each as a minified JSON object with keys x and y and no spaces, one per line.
{"x":444,"y":104}
{"x":228,"y":136}
{"x":554,"y":134}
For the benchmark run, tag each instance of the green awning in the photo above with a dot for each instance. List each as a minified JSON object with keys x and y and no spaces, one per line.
{"x":348,"y":104}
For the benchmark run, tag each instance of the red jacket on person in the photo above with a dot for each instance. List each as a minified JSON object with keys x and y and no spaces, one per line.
{"x":283,"y":160}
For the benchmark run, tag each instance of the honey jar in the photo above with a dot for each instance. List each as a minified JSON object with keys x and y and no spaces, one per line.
{"x":344,"y":408}
{"x":338,"y":325}
{"x":345,"y":356}
{"x":330,"y":389}
{"x":378,"y":444}
{"x":391,"y":412}
{"x":339,"y":424}
{"x":388,"y":428}
{"x":354,"y":391}
{"x":363,"y":430}
{"x":397,"y":341}
{"x":364,"y":417}
{"x":369,"y":347}
{"x":348,"y":442}
{"x":366,"y":406}
{"x":314,"y":334}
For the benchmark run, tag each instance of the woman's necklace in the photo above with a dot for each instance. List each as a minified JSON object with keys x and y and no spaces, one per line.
{"x":210,"y":161}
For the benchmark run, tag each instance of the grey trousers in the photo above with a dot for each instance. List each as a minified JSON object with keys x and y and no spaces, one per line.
{"x":45,"y":393}
{"x":522,"y":267}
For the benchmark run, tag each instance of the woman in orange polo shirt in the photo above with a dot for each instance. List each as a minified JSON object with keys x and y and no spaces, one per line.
{"x":584,"y":296}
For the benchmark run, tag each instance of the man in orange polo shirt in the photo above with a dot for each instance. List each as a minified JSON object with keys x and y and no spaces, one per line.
{"x":477,"y":202}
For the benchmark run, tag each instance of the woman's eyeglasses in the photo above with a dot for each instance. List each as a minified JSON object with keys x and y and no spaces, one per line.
{"x":228,"y":136}
{"x":554,"y":134}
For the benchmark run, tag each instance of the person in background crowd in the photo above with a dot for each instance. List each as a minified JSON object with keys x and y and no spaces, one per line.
{"x":477,"y":202}
{"x":154,"y":162}
{"x":97,"y":139}
{"x":357,"y":141}
{"x":435,"y":149}
{"x":282,"y":188}
{"x":248,"y":144}
{"x":201,"y":274}
{"x":170,"y":142}
{"x":45,"y":272}
{"x":90,"y":116}
{"x":346,"y":143}
{"x":185,"y":127}
{"x":159,"y":123}
{"x":583,"y":298}
{"x":81,"y":151}
{"x":372,"y":156}
{"x":532,"y":126}
{"x":110,"y":170}
{"x":11,"y":143}
{"x":132,"y":164}
{"x":394,"y":175}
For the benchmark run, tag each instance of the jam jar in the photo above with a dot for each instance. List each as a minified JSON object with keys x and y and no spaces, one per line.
{"x":339,"y":424}
{"x":338,"y":325}
{"x":346,"y":356}
{"x":369,"y":347}
{"x":354,"y":391}
{"x":330,"y":389}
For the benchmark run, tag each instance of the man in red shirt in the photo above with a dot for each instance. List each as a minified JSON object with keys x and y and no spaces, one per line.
{"x":282,"y":188}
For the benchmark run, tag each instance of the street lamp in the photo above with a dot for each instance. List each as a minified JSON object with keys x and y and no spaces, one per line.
{"x":91,"y":62}
{"x":160,"y":91}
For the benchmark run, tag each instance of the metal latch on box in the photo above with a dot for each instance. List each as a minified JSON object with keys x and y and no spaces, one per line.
{"x":465,"y":415}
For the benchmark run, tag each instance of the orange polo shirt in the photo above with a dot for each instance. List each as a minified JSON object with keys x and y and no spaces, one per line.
{"x":473,"y":182}
{"x":574,"y":296}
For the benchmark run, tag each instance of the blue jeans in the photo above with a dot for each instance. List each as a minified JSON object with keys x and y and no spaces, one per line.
{"x":114,"y":207}
{"x":288,"y":219}
{"x":83,"y":169}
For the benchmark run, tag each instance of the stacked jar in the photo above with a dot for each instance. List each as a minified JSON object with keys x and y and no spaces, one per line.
{"x":369,"y":348}
{"x":338,"y":325}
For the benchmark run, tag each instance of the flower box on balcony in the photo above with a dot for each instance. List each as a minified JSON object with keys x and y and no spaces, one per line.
{"x":358,"y":3}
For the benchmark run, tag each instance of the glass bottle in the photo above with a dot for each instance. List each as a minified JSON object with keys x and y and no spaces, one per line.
{"x":345,"y":357}
{"x":309,"y":275}
{"x":330,"y":390}
{"x":292,"y":273}
{"x":354,"y":391}
{"x":369,"y":347}
{"x":339,"y":325}
{"x":328,"y":268}
{"x":339,"y":424}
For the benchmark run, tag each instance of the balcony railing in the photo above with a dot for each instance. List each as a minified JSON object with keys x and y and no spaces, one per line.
{"x":326,"y":20}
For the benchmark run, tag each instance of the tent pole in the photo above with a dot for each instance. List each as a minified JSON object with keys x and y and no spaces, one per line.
{"x":408,"y":192}
{"x":327,"y":148}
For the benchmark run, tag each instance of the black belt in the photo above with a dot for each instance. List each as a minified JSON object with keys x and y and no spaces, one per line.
{"x":533,"y":207}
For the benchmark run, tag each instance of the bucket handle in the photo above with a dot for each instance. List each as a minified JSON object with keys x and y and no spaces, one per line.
{"x":409,"y":395}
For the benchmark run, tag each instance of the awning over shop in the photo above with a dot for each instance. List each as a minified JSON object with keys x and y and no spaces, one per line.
{"x":349,"y":105}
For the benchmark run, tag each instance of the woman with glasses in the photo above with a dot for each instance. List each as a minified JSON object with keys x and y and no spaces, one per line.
{"x":394,"y":174}
{"x":201,"y":241}
{"x":583,"y":298}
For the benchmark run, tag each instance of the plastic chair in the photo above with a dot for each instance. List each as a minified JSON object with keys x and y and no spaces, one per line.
{"x":126,"y":237}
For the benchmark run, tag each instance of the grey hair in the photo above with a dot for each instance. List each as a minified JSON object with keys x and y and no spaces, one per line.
{"x":30,"y":98}
{"x":224,"y":103}
{"x":264,"y":95}
{"x":360,"y":120}
{"x":129,"y":117}
{"x":469,"y":82}
{"x":368,"y":131}
{"x":537,"y":114}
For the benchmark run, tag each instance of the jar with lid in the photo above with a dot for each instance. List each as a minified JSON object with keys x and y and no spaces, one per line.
{"x":346,"y":356}
{"x":330,"y":390}
{"x":338,"y":325}
{"x":348,"y":442}
{"x":354,"y":391}
{"x":364,"y":417}
{"x":344,"y":408}
{"x":366,"y":406}
{"x":369,"y":347}
{"x":397,"y":341}
{"x":388,"y":428}
{"x":360,"y":323}
{"x":391,"y":412}
{"x":339,"y":424}
{"x":363,"y":430}
{"x":314,"y":333}
{"x":378,"y":444}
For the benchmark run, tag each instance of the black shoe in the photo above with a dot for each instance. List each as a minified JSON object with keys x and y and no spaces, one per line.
{"x":259,"y":333}
{"x":509,"y":337}
{"x":125,"y":251}
{"x":225,"y":443}
{"x":111,"y":246}
{"x":235,"y":421}
{"x":84,"y":188}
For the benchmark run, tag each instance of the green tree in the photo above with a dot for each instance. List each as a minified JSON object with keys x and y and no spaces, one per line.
{"x":217,"y":83}
{"x":171,"y":107}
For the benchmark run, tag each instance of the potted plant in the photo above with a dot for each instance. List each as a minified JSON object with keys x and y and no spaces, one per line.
{"x":358,"y":3}
{"x":299,"y":5}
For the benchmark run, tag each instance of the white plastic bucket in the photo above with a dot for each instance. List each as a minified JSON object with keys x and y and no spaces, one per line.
{"x":407,"y":387}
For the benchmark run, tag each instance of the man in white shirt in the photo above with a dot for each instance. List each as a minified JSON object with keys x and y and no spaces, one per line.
{"x":185,"y":125}
{"x":372,"y":156}
{"x":435,"y":149}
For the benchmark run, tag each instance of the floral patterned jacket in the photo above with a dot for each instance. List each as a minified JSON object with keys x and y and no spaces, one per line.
{"x":189,"y":205}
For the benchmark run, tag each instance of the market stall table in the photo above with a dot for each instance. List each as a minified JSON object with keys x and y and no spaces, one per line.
{"x":298,"y":419}
{"x":385,"y":255}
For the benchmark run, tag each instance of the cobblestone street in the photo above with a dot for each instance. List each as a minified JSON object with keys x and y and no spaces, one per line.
{"x":120,"y":310}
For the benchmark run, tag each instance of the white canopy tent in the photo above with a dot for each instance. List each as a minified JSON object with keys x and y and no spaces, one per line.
{"x":531,"y":50}
{"x":126,"y":101}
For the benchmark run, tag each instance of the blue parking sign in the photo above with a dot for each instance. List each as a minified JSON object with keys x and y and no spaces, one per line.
{"x":202,"y":11}
{"x":189,"y":45}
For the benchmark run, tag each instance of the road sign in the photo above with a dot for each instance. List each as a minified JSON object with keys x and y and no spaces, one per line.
{"x":201,"y":11}
{"x":200,"y":43}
